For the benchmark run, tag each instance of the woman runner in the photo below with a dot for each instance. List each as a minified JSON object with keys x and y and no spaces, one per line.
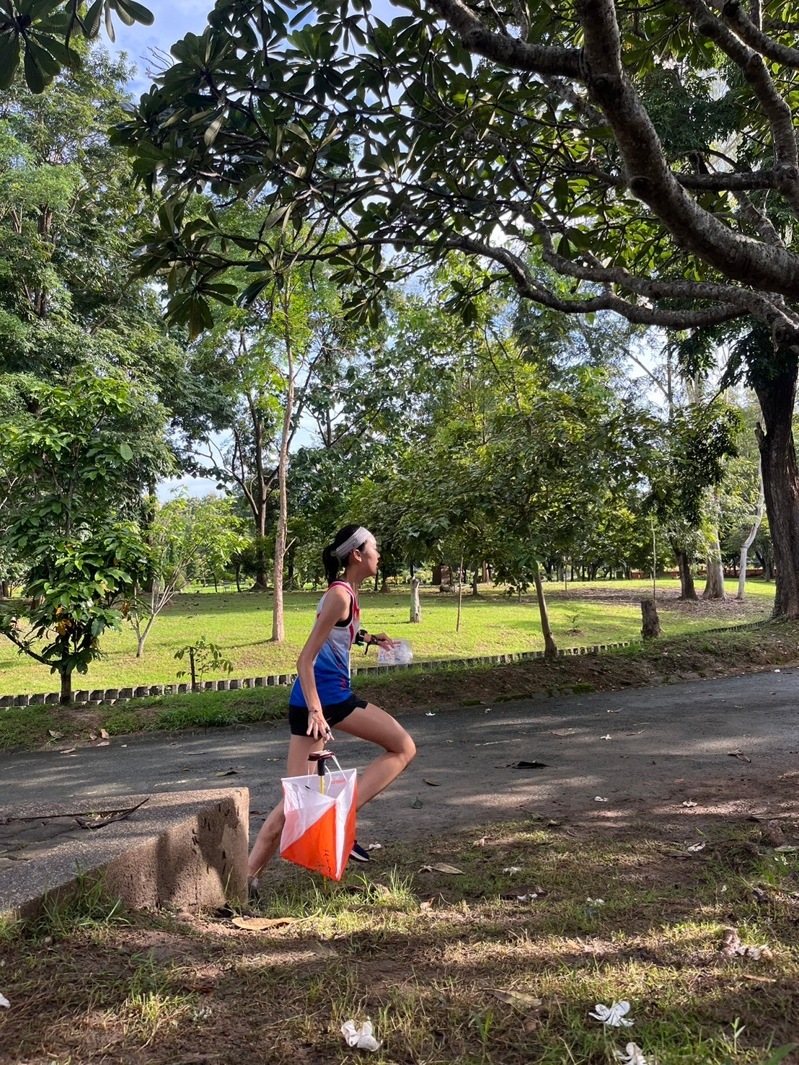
{"x":322,"y":697}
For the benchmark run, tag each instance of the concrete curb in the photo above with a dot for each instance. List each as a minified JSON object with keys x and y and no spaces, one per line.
{"x":185,"y":850}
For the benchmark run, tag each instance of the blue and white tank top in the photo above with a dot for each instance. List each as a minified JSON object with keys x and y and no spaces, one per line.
{"x":331,"y":667}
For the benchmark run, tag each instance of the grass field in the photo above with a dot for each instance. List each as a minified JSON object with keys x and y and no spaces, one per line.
{"x":492,"y":947}
{"x":240,"y":624}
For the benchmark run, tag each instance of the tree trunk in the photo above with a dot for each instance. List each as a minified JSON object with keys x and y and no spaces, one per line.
{"x":460,"y":596}
{"x":781,"y":481}
{"x":66,"y":687}
{"x":550,"y":647}
{"x":687,"y":589}
{"x":261,"y":567}
{"x":650,"y":622}
{"x":278,"y":625}
{"x":416,"y":605}
{"x":761,"y":503}
{"x":714,"y":583}
{"x":475,"y":590}
{"x":140,"y":638}
{"x":238,"y":577}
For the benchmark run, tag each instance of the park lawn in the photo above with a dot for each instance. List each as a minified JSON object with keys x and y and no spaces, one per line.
{"x":240,"y":624}
{"x":727,"y":651}
{"x":450,"y":966}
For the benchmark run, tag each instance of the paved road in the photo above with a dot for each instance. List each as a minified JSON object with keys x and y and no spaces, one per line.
{"x":665,"y":745}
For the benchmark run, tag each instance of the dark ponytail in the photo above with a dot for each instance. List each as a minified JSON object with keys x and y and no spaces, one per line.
{"x":330,"y":560}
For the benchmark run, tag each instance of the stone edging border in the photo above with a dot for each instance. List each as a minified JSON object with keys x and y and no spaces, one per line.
{"x":109,"y":696}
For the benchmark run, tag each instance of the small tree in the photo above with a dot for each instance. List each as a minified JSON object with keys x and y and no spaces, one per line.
{"x":78,"y":453}
{"x":187,"y":538}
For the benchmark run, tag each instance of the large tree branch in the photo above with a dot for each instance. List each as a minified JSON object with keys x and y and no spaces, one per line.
{"x":738,"y":257}
{"x":531,"y":288}
{"x":508,"y":51}
{"x":776,"y":110}
{"x":749,"y":31}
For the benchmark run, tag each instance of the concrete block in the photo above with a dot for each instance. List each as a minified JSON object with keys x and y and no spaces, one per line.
{"x":222,"y":685}
{"x":39,"y":699}
{"x":126,"y":693}
{"x":260,"y":682}
{"x":51,"y":698}
{"x":186,"y":850}
{"x":156,"y":689}
{"x":80,"y":696}
{"x":141,"y":692}
{"x":22,"y":700}
{"x":234,"y":685}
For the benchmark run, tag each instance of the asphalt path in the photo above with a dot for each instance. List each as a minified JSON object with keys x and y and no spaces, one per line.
{"x":728,"y":744}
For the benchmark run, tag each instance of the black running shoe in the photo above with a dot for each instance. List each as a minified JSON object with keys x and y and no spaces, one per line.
{"x":358,"y":854}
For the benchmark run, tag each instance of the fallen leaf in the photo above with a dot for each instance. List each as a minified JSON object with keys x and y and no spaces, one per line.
{"x":54,"y":734}
{"x":529,"y":765}
{"x":68,"y":750}
{"x":417,"y":804}
{"x":694,"y":848}
{"x":481,"y":842}
{"x":104,"y":735}
{"x":260,"y":924}
{"x":4,"y":1003}
{"x":433,"y":783}
{"x":515,"y":998}
{"x":487,"y":710}
{"x":103,"y":743}
{"x":563,"y":731}
{"x":786,"y":848}
{"x":740,"y":755}
{"x":227,"y":772}
{"x":442,"y":867}
{"x":512,"y":869}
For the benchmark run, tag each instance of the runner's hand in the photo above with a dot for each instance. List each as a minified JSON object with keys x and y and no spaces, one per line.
{"x":381,"y":639}
{"x":318,"y":728}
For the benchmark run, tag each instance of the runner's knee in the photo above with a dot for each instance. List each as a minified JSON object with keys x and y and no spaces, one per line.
{"x":406,"y":749}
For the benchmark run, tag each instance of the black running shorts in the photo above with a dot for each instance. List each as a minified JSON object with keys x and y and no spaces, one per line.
{"x":334,"y":712}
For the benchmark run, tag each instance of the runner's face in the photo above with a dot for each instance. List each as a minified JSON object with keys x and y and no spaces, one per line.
{"x":370,"y":556}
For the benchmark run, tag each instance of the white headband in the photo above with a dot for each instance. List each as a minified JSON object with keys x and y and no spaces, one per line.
{"x":358,"y":537}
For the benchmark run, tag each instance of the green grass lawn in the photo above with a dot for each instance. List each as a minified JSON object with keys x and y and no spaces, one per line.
{"x":240,"y":624}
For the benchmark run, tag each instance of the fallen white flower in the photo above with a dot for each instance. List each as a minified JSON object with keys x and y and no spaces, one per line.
{"x":4,"y":1003}
{"x":694,"y":848}
{"x":595,"y":902}
{"x":599,"y":798}
{"x":632,"y":1055}
{"x":614,"y":1015}
{"x":362,"y":1038}
{"x":429,"y":714}
{"x":605,"y":737}
{"x":487,"y":710}
{"x":375,"y":847}
{"x":512,"y":869}
{"x":689,"y":803}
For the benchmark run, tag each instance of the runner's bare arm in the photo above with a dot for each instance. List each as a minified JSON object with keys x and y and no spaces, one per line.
{"x":335,"y":608}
